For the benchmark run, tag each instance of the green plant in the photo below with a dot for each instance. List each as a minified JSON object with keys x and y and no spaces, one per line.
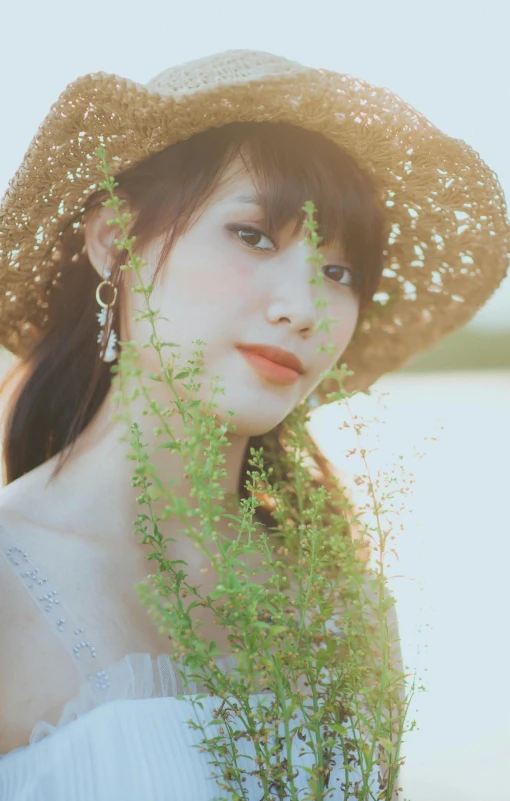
{"x":313,"y":690}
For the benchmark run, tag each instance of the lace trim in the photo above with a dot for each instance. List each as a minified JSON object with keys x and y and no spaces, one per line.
{"x":134,"y":677}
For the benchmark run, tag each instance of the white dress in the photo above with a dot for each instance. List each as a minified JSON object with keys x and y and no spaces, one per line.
{"x":125,"y":736}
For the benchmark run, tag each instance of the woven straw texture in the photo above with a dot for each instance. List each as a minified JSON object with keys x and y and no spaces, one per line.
{"x":448,"y":231}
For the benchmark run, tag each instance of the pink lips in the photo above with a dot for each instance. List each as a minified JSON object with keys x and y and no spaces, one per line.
{"x":276,"y":373}
{"x":275,"y":354}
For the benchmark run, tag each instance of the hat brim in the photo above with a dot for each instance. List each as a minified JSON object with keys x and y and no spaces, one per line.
{"x":449,"y":243}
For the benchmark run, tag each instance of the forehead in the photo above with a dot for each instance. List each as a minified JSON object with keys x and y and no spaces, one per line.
{"x":236,"y":185}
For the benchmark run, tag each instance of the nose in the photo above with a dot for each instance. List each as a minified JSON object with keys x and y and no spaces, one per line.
{"x":292,"y":296}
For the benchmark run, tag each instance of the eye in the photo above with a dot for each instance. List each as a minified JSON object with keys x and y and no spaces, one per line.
{"x":249,"y":236}
{"x":250,"y":233}
{"x":341,"y":270}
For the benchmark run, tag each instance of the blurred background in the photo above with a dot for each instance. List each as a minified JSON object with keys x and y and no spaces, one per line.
{"x":447,"y":413}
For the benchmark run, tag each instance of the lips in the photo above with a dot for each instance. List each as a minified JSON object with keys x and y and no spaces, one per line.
{"x":277,"y":355}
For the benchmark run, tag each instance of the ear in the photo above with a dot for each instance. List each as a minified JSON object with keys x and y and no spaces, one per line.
{"x":99,"y":237}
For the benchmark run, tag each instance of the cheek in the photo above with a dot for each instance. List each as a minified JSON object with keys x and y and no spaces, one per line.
{"x":220,"y":287}
{"x":206,"y":286}
{"x":347,"y":314}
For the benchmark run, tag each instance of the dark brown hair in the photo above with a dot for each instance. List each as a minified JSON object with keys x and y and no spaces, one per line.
{"x":64,"y":381}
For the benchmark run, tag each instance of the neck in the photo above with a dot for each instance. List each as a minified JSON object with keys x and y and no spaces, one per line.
{"x":92,"y":496}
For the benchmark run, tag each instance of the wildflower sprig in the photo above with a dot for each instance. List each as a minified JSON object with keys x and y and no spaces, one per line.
{"x":307,"y":708}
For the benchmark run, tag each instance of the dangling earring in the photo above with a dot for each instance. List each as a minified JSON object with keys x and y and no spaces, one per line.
{"x":313,"y":401}
{"x":105,"y":318}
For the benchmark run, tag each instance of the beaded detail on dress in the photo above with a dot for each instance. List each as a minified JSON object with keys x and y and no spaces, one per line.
{"x":47,"y":598}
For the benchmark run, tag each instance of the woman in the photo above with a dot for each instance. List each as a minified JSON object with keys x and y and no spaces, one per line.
{"x":215,"y":160}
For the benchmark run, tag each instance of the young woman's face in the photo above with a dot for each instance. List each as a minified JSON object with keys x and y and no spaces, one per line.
{"x":226,"y":283}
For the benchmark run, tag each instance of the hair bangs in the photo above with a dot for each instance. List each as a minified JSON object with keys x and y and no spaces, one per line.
{"x":289,"y":166}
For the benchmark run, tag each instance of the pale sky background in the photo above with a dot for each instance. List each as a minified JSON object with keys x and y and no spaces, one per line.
{"x":450,"y":60}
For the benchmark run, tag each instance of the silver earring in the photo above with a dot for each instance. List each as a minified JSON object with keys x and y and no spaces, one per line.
{"x":105,"y":319}
{"x":313,"y":401}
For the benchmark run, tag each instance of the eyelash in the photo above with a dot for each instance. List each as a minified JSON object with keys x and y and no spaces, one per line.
{"x":237,"y":228}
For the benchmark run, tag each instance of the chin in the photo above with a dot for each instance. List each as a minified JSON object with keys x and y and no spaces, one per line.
{"x":246,"y":425}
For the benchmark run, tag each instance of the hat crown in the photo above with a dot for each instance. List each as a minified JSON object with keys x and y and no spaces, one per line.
{"x":229,"y":67}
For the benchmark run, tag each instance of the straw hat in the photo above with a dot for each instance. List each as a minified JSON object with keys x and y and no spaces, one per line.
{"x":449,"y":241}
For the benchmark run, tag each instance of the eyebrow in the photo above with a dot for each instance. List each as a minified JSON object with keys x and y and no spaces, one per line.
{"x":250,"y":200}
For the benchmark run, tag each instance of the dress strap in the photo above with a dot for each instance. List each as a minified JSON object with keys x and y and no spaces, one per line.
{"x":70,"y":631}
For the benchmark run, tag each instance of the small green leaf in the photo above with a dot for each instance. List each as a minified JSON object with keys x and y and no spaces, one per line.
{"x":338,"y":728}
{"x":168,"y":446}
{"x":386,"y":744}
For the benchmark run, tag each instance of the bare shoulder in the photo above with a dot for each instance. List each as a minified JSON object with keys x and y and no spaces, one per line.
{"x":36,"y":674}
